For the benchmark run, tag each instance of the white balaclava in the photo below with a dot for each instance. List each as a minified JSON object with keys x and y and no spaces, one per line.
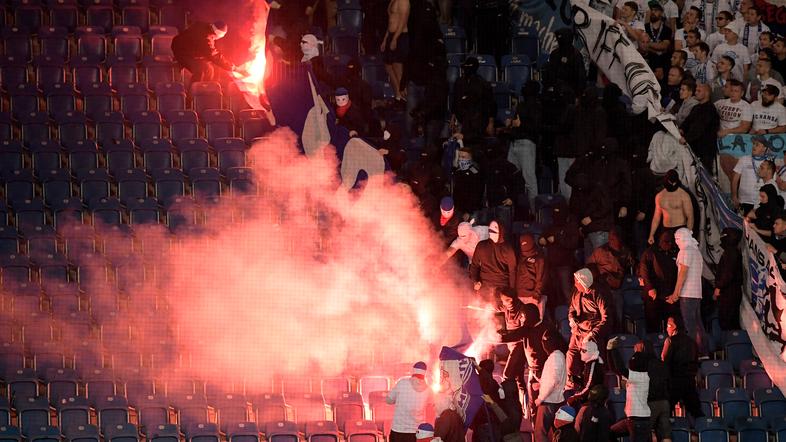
{"x":684,"y":239}
{"x":494,"y":232}
{"x":309,"y":45}
{"x":590,"y":352}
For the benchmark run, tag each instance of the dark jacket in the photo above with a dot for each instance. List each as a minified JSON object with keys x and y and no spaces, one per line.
{"x":449,"y":427}
{"x":593,"y":374}
{"x":473,"y":104}
{"x":530,"y":273}
{"x":588,"y":199}
{"x":566,"y":65}
{"x":194,"y":43}
{"x":531,"y":335}
{"x":766,"y":213}
{"x":494,"y":264}
{"x":561,"y":253}
{"x":514,"y":317}
{"x":590,"y":311}
{"x":612,"y":264}
{"x":584,"y":125}
{"x":681,"y":356}
{"x":503,"y":181}
{"x":613,"y":172}
{"x":354,"y":119}
{"x":529,"y":112}
{"x":700,"y":129}
{"x":566,"y":433}
{"x":593,"y":423}
{"x":659,"y":380}
{"x":658,"y":270}
{"x":468,"y":186}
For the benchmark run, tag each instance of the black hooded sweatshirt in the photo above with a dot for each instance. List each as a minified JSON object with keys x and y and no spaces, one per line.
{"x":588,"y":199}
{"x":766,"y":213}
{"x":658,"y":267}
{"x":531,"y":269}
{"x":531,"y":335}
{"x":560,"y":253}
{"x":494,"y":264}
{"x":193,"y":43}
{"x":729,"y":273}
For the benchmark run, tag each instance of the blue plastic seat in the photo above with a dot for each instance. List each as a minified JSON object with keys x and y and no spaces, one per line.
{"x":100,"y":16}
{"x":206,"y":95}
{"x":18,"y":42}
{"x":56,"y":184}
{"x":33,"y":413}
{"x":194,"y":153}
{"x":60,"y":98}
{"x":30,"y":213}
{"x":231,"y":152}
{"x":82,"y":433}
{"x":127,"y":42}
{"x":372,"y":69}
{"x":455,"y":39}
{"x":163,"y":433}
{"x":24,"y":99}
{"x":711,"y":429}
{"x":517,"y":70}
{"x":107,"y":211}
{"x":138,"y":16}
{"x":158,"y":69}
{"x":92,"y":45}
{"x":153,"y":412}
{"x":348,"y":408}
{"x":193,"y":413}
{"x":9,"y":244}
{"x":61,"y":383}
{"x":82,"y":155}
{"x":131,"y":184}
{"x":336,"y":65}
{"x":281,"y":431}
{"x":72,"y":127}
{"x":183,"y":125}
{"x":157,"y":154}
{"x":751,"y":429}
{"x":737,"y":346}
{"x":219,"y":123}
{"x":770,"y":402}
{"x":54,"y":42}
{"x":253,"y":124}
{"x":733,"y":402}
{"x":205,"y":183}
{"x":94,"y":183}
{"x":46,"y":155}
{"x":9,"y":433}
{"x":351,"y":19}
{"x":161,"y":40}
{"x":172,"y":13}
{"x":488,"y":67}
{"x":344,"y":41}
{"x":19,"y":185}
{"x":121,"y":432}
{"x":13,"y":71}
{"x":43,"y":433}
{"x":322,"y":431}
{"x":243,"y":432}
{"x":6,"y":127}
{"x":524,"y":41}
{"x":97,"y":99}
{"x":233,"y":410}
{"x":122,"y":71}
{"x":143,"y":210}
{"x":110,"y":129}
{"x":169,"y":184}
{"x":145,"y":126}
{"x":86,"y":71}
{"x":717,"y":374}
{"x":754,"y":377}
{"x":170,"y":97}
{"x":362,"y":431}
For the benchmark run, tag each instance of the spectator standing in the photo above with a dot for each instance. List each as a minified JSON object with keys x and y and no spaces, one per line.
{"x":467,"y":240}
{"x":728,"y":280}
{"x":761,"y":80}
{"x":750,"y":29}
{"x":593,"y":373}
{"x":723,"y":19}
{"x":720,"y":84}
{"x":448,"y":426}
{"x":395,"y":43}
{"x":494,"y":263}
{"x":194,"y":48}
{"x":560,"y":240}
{"x":468,"y":185}
{"x":588,"y":315}
{"x":637,"y":387}
{"x":681,"y":359}
{"x":688,"y":101}
{"x":779,"y":61}
{"x":658,"y":398}
{"x":565,"y":64}
{"x":526,"y":132}
{"x":670,"y":94}
{"x":659,"y":38}
{"x":673,"y":206}
{"x":735,"y":113}
{"x":688,"y":289}
{"x":410,"y":396}
{"x":513,"y":310}
{"x":704,"y":69}
{"x":745,"y":181}
{"x":700,"y":127}
{"x":734,"y":49}
{"x":531,"y":273}
{"x":690,"y":22}
{"x":473,"y":103}
{"x":657,"y":276}
{"x":552,"y":385}
{"x":591,"y":205}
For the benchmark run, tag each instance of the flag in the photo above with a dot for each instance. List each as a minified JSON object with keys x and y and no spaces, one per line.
{"x":459,"y":378}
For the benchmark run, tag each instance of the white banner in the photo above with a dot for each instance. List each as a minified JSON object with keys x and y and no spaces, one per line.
{"x":763,"y":316}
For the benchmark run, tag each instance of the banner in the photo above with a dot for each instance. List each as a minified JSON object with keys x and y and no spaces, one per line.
{"x":545,"y":16}
{"x":766,"y":299}
{"x":459,"y":378}
{"x":738,"y":145}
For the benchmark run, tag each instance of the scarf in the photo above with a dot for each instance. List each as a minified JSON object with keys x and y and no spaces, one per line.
{"x":746,"y":35}
{"x":342,"y":110}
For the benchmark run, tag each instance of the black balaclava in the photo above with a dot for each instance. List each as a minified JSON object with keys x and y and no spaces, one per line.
{"x":559,"y":213}
{"x":671,"y":181}
{"x":531,"y":315}
{"x":470,"y":67}
{"x":666,"y":241}
{"x":527,"y":245}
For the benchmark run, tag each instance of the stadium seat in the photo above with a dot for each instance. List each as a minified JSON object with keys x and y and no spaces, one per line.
{"x":56,"y":184}
{"x":23,"y":387}
{"x":161,"y":40}
{"x":92,"y":46}
{"x":94,"y":184}
{"x":153,"y":412}
{"x":105,"y":210}
{"x":232,"y":410}
{"x":82,"y":155}
{"x":60,"y":98}
{"x":122,"y":71}
{"x":516,"y":71}
{"x":30,"y":213}
{"x":455,"y":39}
{"x":41,"y":242}
{"x":770,"y":402}
{"x":194,"y":152}
{"x":127,"y":42}
{"x":9,"y":244}
{"x":183,"y":125}
{"x":10,"y":434}
{"x":163,"y":433}
{"x":18,"y":43}
{"x":97,"y":99}
{"x":46,"y":155}
{"x":53,"y":42}
{"x":206,"y":95}
{"x":19,"y":185}
{"x":64,"y":296}
{"x":372,"y":69}
{"x":169,"y":184}
{"x":170,"y":97}
{"x":281,"y":431}
{"x":112,"y":411}
{"x":85,"y":71}
{"x":81,"y":433}
{"x":680,"y":429}
{"x":143,"y":210}
{"x":524,"y":41}
{"x":322,"y":431}
{"x":23,"y":99}
{"x":362,"y":431}
{"x":71,"y":127}
{"x":231,"y":152}
{"x":157,"y":154}
{"x":6,"y":126}
{"x":733,"y":402}
{"x":737,"y":347}
{"x":5,"y":413}
{"x":751,"y":429}
{"x":138,"y":16}
{"x":13,"y":355}
{"x":271,"y":408}
{"x":194,"y":411}
{"x":121,"y":432}
{"x":712,"y":429}
{"x":240,"y":181}
{"x":754,"y":377}
{"x":110,"y":131}
{"x":180,"y":213}
{"x":244,"y":432}
{"x":13,"y":71}
{"x":64,"y":16}
{"x":717,"y":374}
{"x":145,"y":126}
{"x":33,"y":413}
{"x":61,"y":383}
{"x":219,"y":124}
{"x":368,"y":384}
{"x":454,"y":68}
{"x":344,"y":41}
{"x":253,"y":124}
{"x":158,"y":69}
{"x":172,"y":13}
{"x":100,"y":16}
{"x":43,"y":433}
{"x":133,"y":98}
{"x":131,"y":184}
{"x":348,"y":408}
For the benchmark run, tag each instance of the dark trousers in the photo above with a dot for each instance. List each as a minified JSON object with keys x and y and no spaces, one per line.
{"x":401,"y":437}
{"x":657,"y":311}
{"x":514,"y":368}
{"x":729,"y":309}
{"x":684,"y":389}
{"x":544,"y":421}
{"x":201,"y":70}
{"x":638,"y":428}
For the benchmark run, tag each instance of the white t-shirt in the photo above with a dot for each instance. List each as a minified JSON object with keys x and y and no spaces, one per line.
{"x":768,"y":117}
{"x":410,"y":405}
{"x":691,"y":258}
{"x":670,"y":9}
{"x":710,"y":11}
{"x":638,"y":389}
{"x":750,"y":183}
{"x":553,"y":379}
{"x":738,"y":53}
{"x":752,"y":33}
{"x":715,"y":39}
{"x":753,"y":93}
{"x":731,"y":114}
{"x":468,"y":244}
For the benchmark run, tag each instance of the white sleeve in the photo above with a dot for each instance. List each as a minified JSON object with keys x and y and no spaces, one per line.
{"x":782,"y":116}
{"x":393,"y":394}
{"x":746,"y":57}
{"x":747,"y":113}
{"x":738,"y":166}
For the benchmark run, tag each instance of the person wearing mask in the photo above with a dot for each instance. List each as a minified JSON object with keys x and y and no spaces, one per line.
{"x":593,"y":374}
{"x":467,"y":240}
{"x":473,"y":104}
{"x":728,"y":282}
{"x":560,"y":240}
{"x":734,"y":49}
{"x":613,"y":260}
{"x":552,"y":385}
{"x":486,"y":425}
{"x":467,"y":185}
{"x":512,"y":309}
{"x":699,"y":127}
{"x":531,"y":273}
{"x":526,"y":127}
{"x":493,"y":264}
{"x":769,"y":116}
{"x":194,"y":48}
{"x":565,"y":63}
{"x":673,"y":205}
{"x":411,"y":396}
{"x":505,"y":189}
{"x":763,"y":217}
{"x":564,"y":429}
{"x":637,"y":387}
{"x":657,"y":275}
{"x":350,"y":116}
{"x":613,"y":171}
{"x":594,"y":420}
{"x":588,"y":315}
{"x":680,"y":356}
{"x":745,"y":181}
{"x":448,"y":222}
{"x":591,"y":205}
{"x":688,"y":289}
{"x":584,"y":126}
{"x":448,"y":426}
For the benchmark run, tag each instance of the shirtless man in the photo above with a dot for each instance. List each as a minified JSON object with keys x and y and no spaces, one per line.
{"x":673,"y":204}
{"x":395,"y":44}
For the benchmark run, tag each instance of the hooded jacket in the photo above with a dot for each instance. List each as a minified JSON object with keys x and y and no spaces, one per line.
{"x":613,"y":172}
{"x":658,"y":267}
{"x":588,"y":199}
{"x":531,"y":269}
{"x":194,"y":43}
{"x":612,"y":263}
{"x":585,"y":124}
{"x":590,"y":311}
{"x":728,"y":276}
{"x":530,"y":333}
{"x":766,"y":213}
{"x":680,"y":355}
{"x":560,"y":253}
{"x":494,"y":264}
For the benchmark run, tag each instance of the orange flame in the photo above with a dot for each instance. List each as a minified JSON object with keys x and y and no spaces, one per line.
{"x":252,"y":81}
